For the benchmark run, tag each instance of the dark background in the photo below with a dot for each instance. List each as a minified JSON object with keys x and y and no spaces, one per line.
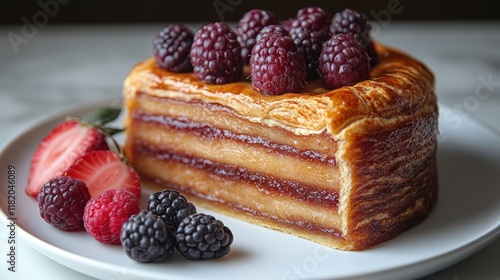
{"x":147,"y":11}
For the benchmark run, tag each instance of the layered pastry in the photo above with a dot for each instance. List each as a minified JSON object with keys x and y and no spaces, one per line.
{"x":348,"y":168}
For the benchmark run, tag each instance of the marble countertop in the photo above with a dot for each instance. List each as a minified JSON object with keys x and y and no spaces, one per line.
{"x":58,"y":68}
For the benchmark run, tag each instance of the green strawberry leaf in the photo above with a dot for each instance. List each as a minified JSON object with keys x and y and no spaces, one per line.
{"x":102,"y":116}
{"x":112,"y":130}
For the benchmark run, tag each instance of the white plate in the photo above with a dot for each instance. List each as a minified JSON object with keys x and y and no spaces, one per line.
{"x":465,"y":219}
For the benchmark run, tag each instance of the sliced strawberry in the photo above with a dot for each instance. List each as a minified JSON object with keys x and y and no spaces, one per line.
{"x":104,"y":170}
{"x":62,"y":147}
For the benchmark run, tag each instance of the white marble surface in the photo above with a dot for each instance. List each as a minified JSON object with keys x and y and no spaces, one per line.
{"x":63,"y":67}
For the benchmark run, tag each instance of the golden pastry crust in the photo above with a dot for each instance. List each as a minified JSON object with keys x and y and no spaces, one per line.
{"x":398,"y":86}
{"x":384,"y":130}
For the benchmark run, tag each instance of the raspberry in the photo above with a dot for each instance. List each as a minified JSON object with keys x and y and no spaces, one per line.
{"x":216,"y":54}
{"x":343,"y":61}
{"x":171,"y":48}
{"x":62,"y":201}
{"x":276,"y":67}
{"x":171,"y":206}
{"x":249,"y":26}
{"x":200,"y":236}
{"x":272,"y":29}
{"x":309,"y":31}
{"x":352,"y":22}
{"x":105,"y":214}
{"x":146,"y":238}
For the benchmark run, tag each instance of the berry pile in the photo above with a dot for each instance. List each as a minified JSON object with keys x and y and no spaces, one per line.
{"x":171,"y":221}
{"x":93,"y":188}
{"x":80,"y":183}
{"x":217,"y":53}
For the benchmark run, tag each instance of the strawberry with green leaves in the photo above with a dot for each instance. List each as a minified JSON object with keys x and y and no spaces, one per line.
{"x":74,"y":144}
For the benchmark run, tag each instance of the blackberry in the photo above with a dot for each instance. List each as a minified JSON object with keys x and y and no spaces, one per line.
{"x":249,"y":26}
{"x":352,"y":22}
{"x":272,"y":29}
{"x":309,"y":30}
{"x":216,"y":54}
{"x":146,"y":238}
{"x":171,"y":206}
{"x":200,"y":236}
{"x":276,"y":66}
{"x":343,"y":62}
{"x":62,"y":201}
{"x":171,"y":48}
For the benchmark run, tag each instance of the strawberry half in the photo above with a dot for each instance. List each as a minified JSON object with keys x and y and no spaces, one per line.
{"x":105,"y":170}
{"x":62,"y":147}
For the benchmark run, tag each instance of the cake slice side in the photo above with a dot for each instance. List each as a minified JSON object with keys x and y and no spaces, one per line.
{"x":347,"y":168}
{"x":271,"y":182}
